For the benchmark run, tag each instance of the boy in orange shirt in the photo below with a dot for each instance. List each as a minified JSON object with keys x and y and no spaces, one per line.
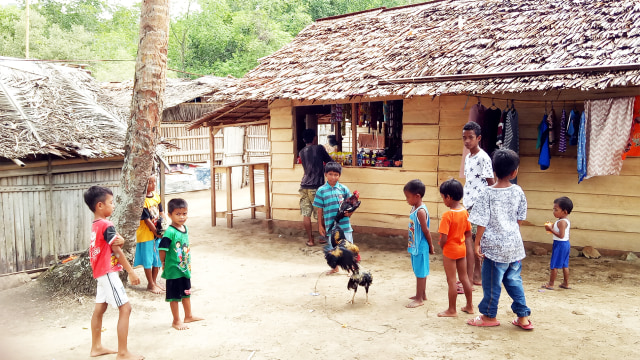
{"x":455,"y":231}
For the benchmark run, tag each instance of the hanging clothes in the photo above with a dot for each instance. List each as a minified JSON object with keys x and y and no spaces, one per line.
{"x":511,"y":131}
{"x":544,"y":159}
{"x":500,"y":133}
{"x":633,"y":144}
{"x":490,"y":130}
{"x":551,"y":120}
{"x":562,"y":138}
{"x":608,"y":124}
{"x":582,"y":149}
{"x":573,"y":128}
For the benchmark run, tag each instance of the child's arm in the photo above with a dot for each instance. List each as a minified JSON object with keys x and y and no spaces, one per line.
{"x":321,"y":228}
{"x":122,"y":259}
{"x":163,"y":255}
{"x":491,"y":181}
{"x":443,"y":240}
{"x":151,"y":226}
{"x":479,"y":234}
{"x":562,"y":227}
{"x":422,"y":218}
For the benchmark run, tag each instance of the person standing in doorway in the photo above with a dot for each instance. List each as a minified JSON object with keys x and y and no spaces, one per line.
{"x":312,"y":157}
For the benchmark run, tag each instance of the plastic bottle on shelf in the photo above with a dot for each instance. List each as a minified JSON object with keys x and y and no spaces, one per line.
{"x":360,"y":157}
{"x":373,"y":158}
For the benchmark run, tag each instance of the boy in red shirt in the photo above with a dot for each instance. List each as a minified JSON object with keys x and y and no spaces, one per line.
{"x":107,"y":259}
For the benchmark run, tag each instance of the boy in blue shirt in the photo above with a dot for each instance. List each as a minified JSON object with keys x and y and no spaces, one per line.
{"x":328,"y":199}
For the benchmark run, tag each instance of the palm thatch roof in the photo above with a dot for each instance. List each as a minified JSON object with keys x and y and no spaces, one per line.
{"x":385,"y":52}
{"x":179,"y":96}
{"x":49,"y":109}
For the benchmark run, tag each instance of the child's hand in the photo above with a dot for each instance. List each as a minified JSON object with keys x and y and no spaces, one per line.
{"x":322,"y":231}
{"x":478,"y":253}
{"x":119,"y":241}
{"x":348,"y":214}
{"x":548,"y":226}
{"x":134,"y":279}
{"x":432,"y":250}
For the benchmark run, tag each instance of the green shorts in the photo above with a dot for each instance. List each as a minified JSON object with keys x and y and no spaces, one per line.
{"x":306,"y":202}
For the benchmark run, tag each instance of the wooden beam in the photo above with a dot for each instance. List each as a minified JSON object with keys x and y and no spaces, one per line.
{"x":196,"y":125}
{"x":212,"y":163}
{"x":526,"y":73}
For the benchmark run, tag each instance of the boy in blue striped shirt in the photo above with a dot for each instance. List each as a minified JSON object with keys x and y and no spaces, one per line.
{"x":328,"y":199}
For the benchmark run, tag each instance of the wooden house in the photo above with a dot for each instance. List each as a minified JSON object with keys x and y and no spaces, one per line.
{"x":434,"y":61}
{"x":58,"y":137}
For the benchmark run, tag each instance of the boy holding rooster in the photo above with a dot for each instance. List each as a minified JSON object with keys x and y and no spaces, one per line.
{"x":328,"y":199}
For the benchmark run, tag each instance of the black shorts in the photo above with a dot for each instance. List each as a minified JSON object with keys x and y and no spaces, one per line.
{"x":178,"y":289}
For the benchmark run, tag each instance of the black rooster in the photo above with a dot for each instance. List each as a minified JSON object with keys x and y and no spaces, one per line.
{"x":350,"y":204}
{"x":360,"y":279}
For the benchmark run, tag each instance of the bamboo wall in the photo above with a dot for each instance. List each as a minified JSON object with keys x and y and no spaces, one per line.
{"x":43,"y":214}
{"x":193,"y":145}
{"x":605,"y":208}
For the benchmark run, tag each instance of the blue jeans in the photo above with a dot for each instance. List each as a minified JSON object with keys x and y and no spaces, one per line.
{"x":494,"y":274}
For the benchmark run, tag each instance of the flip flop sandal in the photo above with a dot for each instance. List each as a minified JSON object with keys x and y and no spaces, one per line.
{"x":310,"y":243}
{"x":477,"y":321}
{"x":529,"y":326}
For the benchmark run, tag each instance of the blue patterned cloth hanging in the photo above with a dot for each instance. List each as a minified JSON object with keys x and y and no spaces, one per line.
{"x":582,"y":147}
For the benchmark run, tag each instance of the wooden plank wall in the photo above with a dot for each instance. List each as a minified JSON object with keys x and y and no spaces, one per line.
{"x":606,"y":208}
{"x":38,"y":221}
{"x":193,"y":145}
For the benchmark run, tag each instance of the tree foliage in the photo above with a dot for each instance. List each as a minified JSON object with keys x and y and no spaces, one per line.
{"x":219,"y":37}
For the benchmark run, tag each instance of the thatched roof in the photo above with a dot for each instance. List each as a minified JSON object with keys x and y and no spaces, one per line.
{"x":354,"y":55}
{"x":235,"y":113}
{"x":178,"y":96}
{"x":53,"y":109}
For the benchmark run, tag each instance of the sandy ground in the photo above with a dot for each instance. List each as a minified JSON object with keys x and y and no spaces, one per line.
{"x":255,"y":291}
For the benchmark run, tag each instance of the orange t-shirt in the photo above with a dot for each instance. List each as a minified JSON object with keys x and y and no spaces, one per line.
{"x":454,"y":224}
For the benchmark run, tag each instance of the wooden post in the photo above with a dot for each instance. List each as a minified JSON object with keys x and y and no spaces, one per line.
{"x":212,"y":163}
{"x":163,"y":188}
{"x":252,"y":192}
{"x":354,"y":135}
{"x":229,"y":202}
{"x":267,"y":200}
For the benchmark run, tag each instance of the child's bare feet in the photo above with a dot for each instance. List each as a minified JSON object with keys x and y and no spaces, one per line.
{"x":467,"y":309}
{"x":179,"y":326}
{"x":99,"y":351}
{"x":129,"y":356}
{"x":192,"y":319}
{"x":415,"y":303}
{"x":448,"y":313}
{"x":154,"y":289}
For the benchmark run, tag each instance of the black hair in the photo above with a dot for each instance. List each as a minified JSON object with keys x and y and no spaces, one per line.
{"x":308,"y":135}
{"x":564,"y":203}
{"x":176,"y":204}
{"x":452,"y":188}
{"x":505,"y":162}
{"x":95,"y":195}
{"x":473,"y":126}
{"x":331,"y":139}
{"x":415,"y":187}
{"x":333,"y":166}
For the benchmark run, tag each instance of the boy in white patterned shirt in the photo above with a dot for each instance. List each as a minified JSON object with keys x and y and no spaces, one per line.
{"x":478,"y":173}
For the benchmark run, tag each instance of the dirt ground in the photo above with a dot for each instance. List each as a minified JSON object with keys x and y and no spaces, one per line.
{"x":256,"y":292}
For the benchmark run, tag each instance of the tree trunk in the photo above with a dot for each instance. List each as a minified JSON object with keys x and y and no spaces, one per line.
{"x":140,"y":145}
{"x":144,"y":123}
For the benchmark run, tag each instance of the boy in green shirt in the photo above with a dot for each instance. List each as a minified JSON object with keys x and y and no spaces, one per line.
{"x":176,"y":264}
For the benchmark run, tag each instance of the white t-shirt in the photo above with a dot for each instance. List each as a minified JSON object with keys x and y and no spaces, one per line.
{"x":477,"y":168}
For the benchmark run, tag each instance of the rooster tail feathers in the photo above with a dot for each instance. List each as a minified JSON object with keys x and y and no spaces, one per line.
{"x":352,"y":247}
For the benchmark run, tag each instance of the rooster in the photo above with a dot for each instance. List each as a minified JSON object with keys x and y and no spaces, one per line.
{"x":350,"y":205}
{"x":347,"y":256}
{"x":360,"y":279}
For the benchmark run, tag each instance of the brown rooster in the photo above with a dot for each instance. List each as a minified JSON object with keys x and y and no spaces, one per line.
{"x":347,"y":256}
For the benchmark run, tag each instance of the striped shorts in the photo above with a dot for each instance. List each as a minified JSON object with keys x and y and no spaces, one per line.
{"x":111,"y":290}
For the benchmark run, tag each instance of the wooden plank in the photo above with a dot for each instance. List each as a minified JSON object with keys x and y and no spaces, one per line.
{"x":420,"y":147}
{"x":587,"y":203}
{"x":282,"y":147}
{"x":420,"y":132}
{"x":446,"y":175}
{"x":451,"y":147}
{"x":397,"y":176}
{"x":282,"y":161}
{"x":568,"y":165}
{"x":10,"y":231}
{"x":449,"y":163}
{"x":281,"y":135}
{"x":291,"y":174}
{"x":4,"y":268}
{"x":281,"y":118}
{"x":598,"y":239}
{"x":421,"y":110}
{"x":420,"y":163}
{"x":589,"y":221}
{"x":451,"y":133}
{"x":562,"y":184}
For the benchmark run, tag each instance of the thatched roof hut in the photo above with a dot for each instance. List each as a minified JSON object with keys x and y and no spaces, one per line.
{"x":427,"y":60}
{"x":50,"y":109}
{"x":511,"y":46}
